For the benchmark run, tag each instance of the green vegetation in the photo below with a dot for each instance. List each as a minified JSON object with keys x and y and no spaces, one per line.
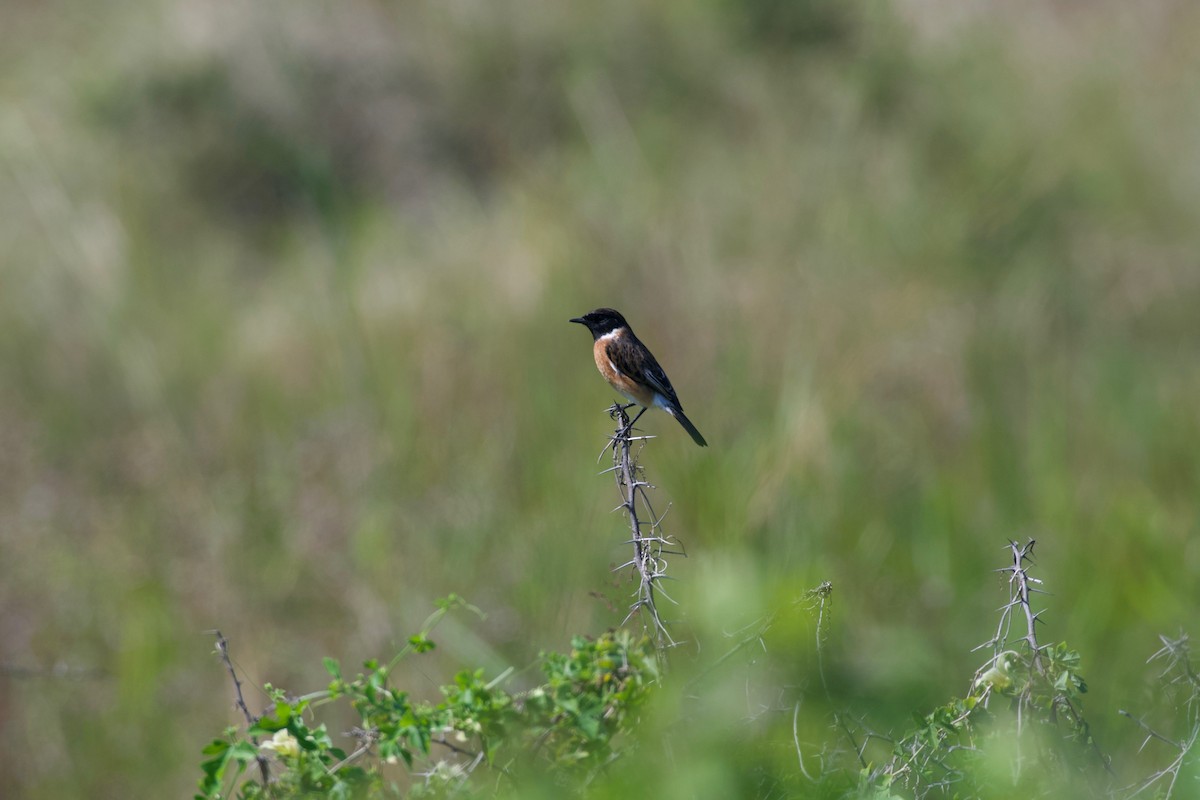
{"x":1019,"y":731}
{"x":284,"y":352}
{"x":563,"y":728}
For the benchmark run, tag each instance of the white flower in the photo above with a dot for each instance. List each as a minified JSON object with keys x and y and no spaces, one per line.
{"x":998,"y":676}
{"x":282,"y":743}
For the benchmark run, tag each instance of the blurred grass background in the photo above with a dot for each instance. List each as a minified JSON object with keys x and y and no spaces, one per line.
{"x":284,"y":348}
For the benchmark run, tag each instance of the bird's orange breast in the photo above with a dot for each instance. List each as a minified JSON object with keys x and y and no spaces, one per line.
{"x":633,"y":391}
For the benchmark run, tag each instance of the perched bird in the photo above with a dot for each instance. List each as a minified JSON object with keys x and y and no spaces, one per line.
{"x":631,"y":369}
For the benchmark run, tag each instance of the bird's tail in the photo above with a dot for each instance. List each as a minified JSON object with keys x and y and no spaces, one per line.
{"x":678,"y":414}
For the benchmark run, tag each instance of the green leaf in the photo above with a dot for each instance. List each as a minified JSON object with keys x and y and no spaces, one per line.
{"x":277,"y":719}
{"x":244,"y":752}
{"x":214,"y":768}
{"x":332,"y":667}
{"x":590,"y":726}
{"x":421,"y":643}
{"x":388,"y":749}
{"x":216,"y":747}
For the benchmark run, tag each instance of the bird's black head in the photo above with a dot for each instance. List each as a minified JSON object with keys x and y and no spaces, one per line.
{"x":602,"y":321}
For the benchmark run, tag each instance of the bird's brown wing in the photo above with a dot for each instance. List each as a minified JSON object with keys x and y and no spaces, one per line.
{"x":634,"y":360}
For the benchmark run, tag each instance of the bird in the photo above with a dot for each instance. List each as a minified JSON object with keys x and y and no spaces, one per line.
{"x":631,"y":369}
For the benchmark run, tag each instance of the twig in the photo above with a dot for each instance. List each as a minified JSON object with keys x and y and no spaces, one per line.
{"x":1020,"y":581}
{"x":796,"y":740}
{"x":264,"y":766}
{"x":449,"y":745}
{"x":1150,"y":732}
{"x":1179,"y":670}
{"x":223,"y":650}
{"x":818,"y":597}
{"x":645,"y":534}
{"x":760,"y":628}
{"x":358,"y":753}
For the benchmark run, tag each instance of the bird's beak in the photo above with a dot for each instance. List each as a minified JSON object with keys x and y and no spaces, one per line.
{"x":579,"y":320}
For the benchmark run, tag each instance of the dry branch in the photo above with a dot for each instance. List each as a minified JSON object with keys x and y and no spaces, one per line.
{"x":650,"y":544}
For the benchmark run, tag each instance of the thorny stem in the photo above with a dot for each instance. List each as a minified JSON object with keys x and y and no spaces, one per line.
{"x":1019,"y":579}
{"x":1179,"y":670}
{"x":1021,"y":588}
{"x":645,"y":534}
{"x":1020,"y":591}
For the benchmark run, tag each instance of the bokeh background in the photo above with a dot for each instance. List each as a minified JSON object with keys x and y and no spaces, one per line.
{"x":284,"y":351}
